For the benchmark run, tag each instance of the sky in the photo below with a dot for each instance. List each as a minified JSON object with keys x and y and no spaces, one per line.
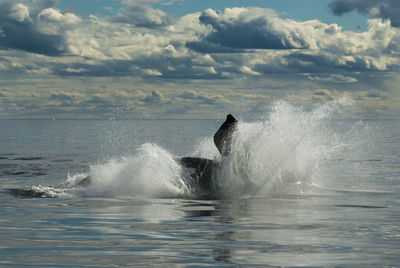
{"x":191,"y":59}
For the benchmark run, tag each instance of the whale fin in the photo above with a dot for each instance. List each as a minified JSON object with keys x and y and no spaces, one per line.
{"x":223,"y":136}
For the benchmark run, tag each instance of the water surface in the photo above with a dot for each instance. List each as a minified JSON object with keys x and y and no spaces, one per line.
{"x":302,"y":188}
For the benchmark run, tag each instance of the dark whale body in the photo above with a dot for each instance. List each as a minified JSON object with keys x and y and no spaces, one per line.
{"x":202,"y":170}
{"x":28,"y":193}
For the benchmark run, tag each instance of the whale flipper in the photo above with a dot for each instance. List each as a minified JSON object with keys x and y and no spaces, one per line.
{"x":223,"y":137}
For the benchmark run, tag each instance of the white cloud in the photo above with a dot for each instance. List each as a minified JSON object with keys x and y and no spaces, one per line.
{"x":20,"y":12}
{"x":152,"y":72}
{"x":54,"y":15}
{"x":52,"y":21}
{"x":247,"y":70}
{"x":143,"y":16}
{"x":334,"y":78}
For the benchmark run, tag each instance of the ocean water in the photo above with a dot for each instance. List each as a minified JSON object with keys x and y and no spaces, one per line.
{"x":302,"y":187}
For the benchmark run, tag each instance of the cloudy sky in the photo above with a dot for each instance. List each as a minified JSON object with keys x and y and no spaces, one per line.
{"x":196,"y":59}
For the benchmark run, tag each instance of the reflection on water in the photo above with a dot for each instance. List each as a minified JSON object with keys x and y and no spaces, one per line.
{"x":259,"y":231}
{"x":295,"y":230}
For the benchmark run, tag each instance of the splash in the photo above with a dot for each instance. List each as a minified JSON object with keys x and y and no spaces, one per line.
{"x":282,"y":154}
{"x":152,"y":172}
{"x":279,"y":155}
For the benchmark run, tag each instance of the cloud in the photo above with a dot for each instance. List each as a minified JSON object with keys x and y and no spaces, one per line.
{"x":143,"y":16}
{"x":334,"y":78}
{"x":155,"y":97}
{"x":386,"y":9}
{"x":64,"y":99}
{"x":247,"y":28}
{"x":22,"y":21}
{"x":192,"y":95}
{"x":20,"y":12}
{"x":55,"y":16}
{"x":255,"y":42}
{"x":247,"y":70}
{"x":374,"y":95}
{"x":152,"y":72}
{"x":246,"y":53}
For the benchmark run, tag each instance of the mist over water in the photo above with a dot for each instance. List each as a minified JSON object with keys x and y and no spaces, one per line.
{"x":280,"y":155}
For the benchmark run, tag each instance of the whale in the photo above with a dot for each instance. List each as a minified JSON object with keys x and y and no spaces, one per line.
{"x":201,"y":170}
{"x":204,"y":170}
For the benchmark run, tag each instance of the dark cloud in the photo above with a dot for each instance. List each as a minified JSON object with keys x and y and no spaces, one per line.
{"x":16,"y":34}
{"x":205,"y":46}
{"x":244,"y":29}
{"x":155,"y":97}
{"x":65,"y":106}
{"x":149,"y":67}
{"x":310,"y":63}
{"x":320,"y":93}
{"x":64,"y":99}
{"x":373,"y":95}
{"x":333,"y":78}
{"x":96,"y":100}
{"x":190,"y":95}
{"x":386,"y":9}
{"x":100,"y":69}
{"x":144,"y":16}
{"x":18,"y":30}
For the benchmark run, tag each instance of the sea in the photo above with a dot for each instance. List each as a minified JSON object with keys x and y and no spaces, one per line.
{"x":302,"y":186}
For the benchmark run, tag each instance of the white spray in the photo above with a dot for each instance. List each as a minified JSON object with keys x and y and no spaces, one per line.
{"x":275,"y":156}
{"x":279,"y":155}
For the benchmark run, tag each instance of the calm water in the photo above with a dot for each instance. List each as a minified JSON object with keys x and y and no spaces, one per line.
{"x":301,"y":188}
